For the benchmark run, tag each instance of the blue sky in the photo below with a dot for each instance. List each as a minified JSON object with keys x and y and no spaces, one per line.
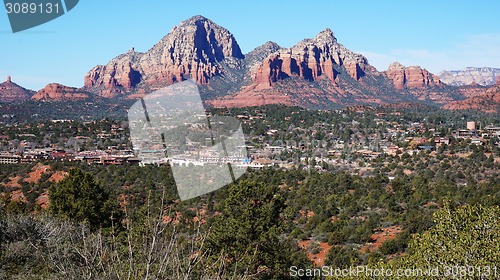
{"x":436,"y":35}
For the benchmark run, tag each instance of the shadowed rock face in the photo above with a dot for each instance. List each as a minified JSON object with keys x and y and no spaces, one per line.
{"x":12,"y":92}
{"x":118,"y":76}
{"x":192,"y":50}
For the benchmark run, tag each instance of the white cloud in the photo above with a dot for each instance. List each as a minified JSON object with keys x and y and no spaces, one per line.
{"x":480,"y":50}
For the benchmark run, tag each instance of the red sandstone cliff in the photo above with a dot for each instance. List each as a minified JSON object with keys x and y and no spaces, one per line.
{"x":411,"y":77}
{"x":311,"y":59}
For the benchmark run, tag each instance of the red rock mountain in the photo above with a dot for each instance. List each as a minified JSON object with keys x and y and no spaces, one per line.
{"x":58,"y":92}
{"x":317,"y":72}
{"x":192,"y":50}
{"x":312,"y":59}
{"x":12,"y":92}
{"x":321,"y":73}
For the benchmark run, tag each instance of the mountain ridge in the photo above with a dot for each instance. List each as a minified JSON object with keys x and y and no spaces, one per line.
{"x":316,"y":72}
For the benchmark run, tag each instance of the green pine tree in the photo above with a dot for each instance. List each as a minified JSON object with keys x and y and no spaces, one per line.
{"x":248,"y":233}
{"x":79,"y":197}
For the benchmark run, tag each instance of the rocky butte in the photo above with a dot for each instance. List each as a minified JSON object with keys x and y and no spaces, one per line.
{"x":314,"y":73}
{"x":411,"y":77}
{"x":12,"y":92}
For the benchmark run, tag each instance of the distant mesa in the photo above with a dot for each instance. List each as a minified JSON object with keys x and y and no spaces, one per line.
{"x":482,"y":98}
{"x":484,"y":76}
{"x":58,"y":92}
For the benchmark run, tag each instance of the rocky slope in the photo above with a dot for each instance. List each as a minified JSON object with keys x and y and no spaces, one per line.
{"x":487,"y":100}
{"x":58,"y":92}
{"x":478,"y":98}
{"x":484,"y":76}
{"x":12,"y":92}
{"x":237,"y":72}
